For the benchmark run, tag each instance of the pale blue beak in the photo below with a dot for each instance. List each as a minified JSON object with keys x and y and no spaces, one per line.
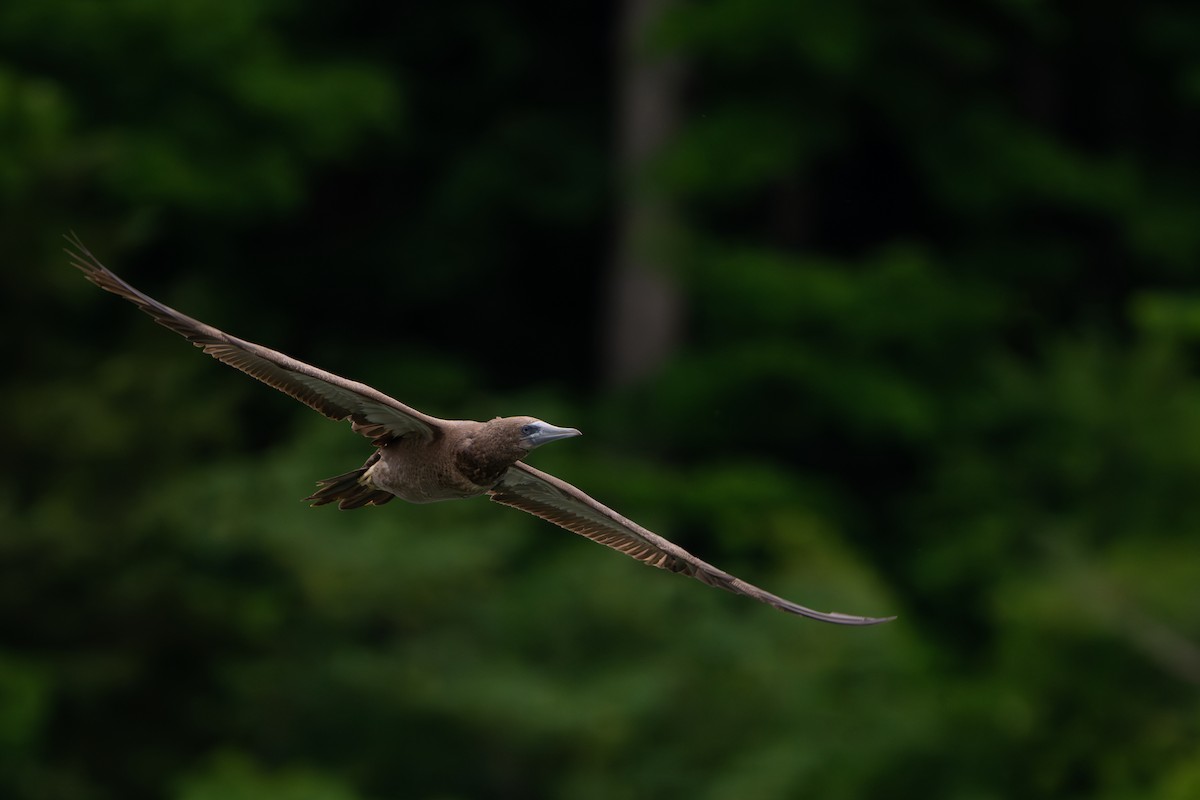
{"x":544,"y":432}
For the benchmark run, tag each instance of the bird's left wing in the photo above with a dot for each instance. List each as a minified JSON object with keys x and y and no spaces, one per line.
{"x":371,"y":412}
{"x":557,"y":501}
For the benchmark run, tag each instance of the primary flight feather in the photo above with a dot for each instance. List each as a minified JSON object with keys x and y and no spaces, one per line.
{"x":423,"y":459}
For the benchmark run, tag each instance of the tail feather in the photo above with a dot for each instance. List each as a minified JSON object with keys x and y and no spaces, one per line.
{"x":351,"y":490}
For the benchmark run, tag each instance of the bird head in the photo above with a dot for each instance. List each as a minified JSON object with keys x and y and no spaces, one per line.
{"x":496,"y":445}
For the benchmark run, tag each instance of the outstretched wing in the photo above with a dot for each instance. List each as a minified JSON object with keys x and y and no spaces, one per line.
{"x":557,"y":501}
{"x":372,"y":413}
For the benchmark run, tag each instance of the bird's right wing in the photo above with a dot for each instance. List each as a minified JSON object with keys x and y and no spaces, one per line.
{"x":372,"y":413}
{"x":557,"y":501}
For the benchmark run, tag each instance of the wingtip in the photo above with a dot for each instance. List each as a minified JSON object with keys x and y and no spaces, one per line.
{"x":77,"y":251}
{"x":841,"y":619}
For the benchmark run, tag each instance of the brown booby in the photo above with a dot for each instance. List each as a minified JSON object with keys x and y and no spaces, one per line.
{"x":423,"y":459}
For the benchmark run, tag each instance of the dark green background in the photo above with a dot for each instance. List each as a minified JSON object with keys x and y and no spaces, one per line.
{"x":939,"y":266}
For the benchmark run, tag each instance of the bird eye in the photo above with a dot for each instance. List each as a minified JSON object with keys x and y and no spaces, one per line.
{"x":528,"y":430}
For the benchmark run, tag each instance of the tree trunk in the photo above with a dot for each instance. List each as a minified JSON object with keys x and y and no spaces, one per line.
{"x":644,"y":311}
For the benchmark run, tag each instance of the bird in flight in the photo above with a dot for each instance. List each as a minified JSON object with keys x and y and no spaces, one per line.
{"x":423,"y":459}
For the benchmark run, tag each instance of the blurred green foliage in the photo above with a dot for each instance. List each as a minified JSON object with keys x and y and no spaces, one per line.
{"x":941,"y":265}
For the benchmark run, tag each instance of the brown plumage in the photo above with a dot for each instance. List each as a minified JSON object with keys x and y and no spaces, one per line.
{"x":423,"y":459}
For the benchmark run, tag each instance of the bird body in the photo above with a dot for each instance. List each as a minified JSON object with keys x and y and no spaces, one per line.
{"x":426,"y":472}
{"x":423,"y":459}
{"x":462,"y":459}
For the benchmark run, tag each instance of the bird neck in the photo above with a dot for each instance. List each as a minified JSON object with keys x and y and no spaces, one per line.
{"x":482,"y":460}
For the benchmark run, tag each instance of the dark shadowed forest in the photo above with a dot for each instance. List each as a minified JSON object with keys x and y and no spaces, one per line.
{"x":887,"y":308}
